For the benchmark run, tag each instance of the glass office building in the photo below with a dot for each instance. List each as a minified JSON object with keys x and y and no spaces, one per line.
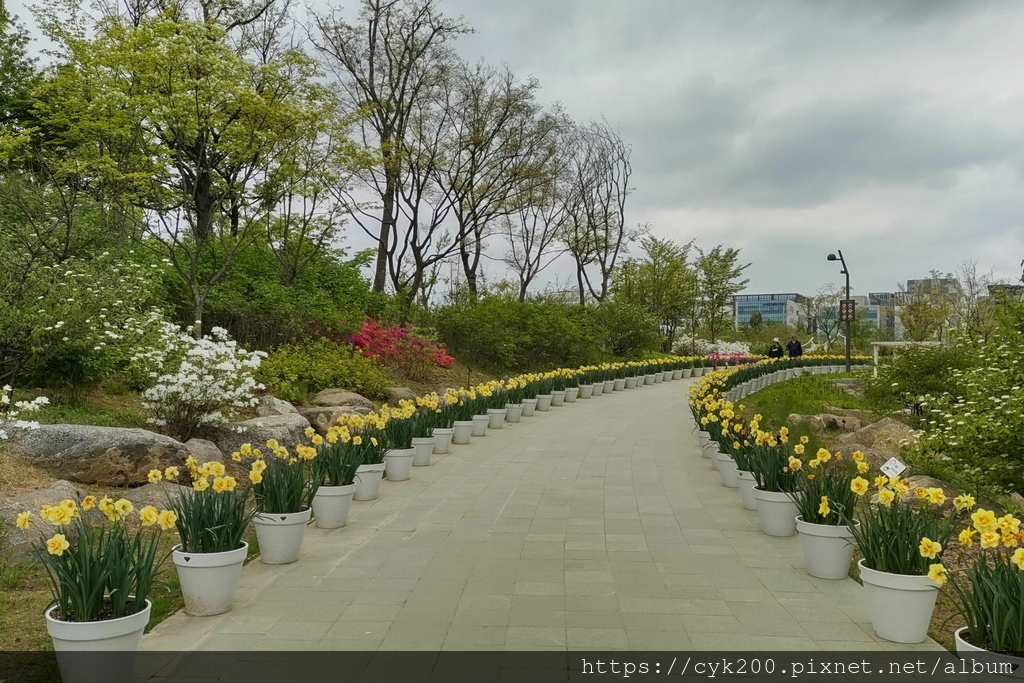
{"x":773,"y":308}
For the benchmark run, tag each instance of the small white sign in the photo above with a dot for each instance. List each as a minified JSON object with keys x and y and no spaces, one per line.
{"x":893,"y":468}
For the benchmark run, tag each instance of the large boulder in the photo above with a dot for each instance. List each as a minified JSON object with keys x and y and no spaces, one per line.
{"x":886,"y":433}
{"x":18,"y":542}
{"x":341,"y":398}
{"x":109,"y":456}
{"x":322,"y":418}
{"x":271,"y":405}
{"x":396,"y":394}
{"x":876,"y":457}
{"x":288,"y":430}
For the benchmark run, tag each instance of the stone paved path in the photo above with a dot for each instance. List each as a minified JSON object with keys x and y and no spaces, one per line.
{"x":593,"y":526}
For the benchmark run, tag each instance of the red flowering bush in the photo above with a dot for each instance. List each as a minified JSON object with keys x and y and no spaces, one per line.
{"x":401,"y":348}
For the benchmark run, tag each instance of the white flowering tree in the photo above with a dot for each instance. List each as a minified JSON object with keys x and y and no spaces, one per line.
{"x":196,"y":381}
{"x":67,"y":325}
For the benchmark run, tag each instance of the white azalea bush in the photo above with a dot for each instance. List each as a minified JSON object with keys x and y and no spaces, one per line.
{"x":977,"y":424}
{"x":702,"y":347}
{"x":195,"y":381}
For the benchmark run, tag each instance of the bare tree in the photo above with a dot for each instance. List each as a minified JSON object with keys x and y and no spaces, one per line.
{"x":822,"y":311}
{"x":535,"y":230}
{"x":501,"y":143}
{"x":387,"y":62}
{"x":596,"y":232}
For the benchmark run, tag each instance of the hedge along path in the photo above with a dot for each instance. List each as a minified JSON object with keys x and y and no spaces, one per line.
{"x":596,"y":525}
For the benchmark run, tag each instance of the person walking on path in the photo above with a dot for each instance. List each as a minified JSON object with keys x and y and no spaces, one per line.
{"x":776,"y":349}
{"x":794,"y":347}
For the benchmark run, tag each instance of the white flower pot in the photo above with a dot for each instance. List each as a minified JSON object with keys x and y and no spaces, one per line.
{"x":424,"y":447}
{"x":777,"y":512}
{"x":331,"y":505}
{"x":728,"y":469}
{"x":513,"y":412}
{"x":443,"y":439}
{"x":586,"y":390}
{"x":119,"y":637}
{"x":658,"y":377}
{"x":677,"y":374}
{"x":480,"y":423}
{"x":124,"y":633}
{"x":828,"y":548}
{"x":557,"y":398}
{"x":368,"y":478}
{"x":208,"y":580}
{"x":709,"y":449}
{"x":666,"y":376}
{"x":702,"y":437}
{"x":630,"y":383}
{"x":544,"y":402}
{"x":598,"y":388}
{"x":708,"y":369}
{"x":398,"y":463}
{"x":530,"y":406}
{"x":901,"y":605}
{"x":496,"y":418}
{"x":571,"y":393}
{"x":747,"y":482}
{"x":609,"y":386}
{"x":648,"y":379}
{"x":981,"y":661}
{"x":619,"y":384}
{"x":698,"y":372}
{"x":280,"y":535}
{"x":462,"y":430}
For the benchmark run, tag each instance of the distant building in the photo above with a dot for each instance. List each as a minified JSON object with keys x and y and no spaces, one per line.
{"x":787,"y":308}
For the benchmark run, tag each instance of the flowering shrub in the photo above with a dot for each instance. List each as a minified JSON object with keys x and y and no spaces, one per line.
{"x":196,"y":379}
{"x":977,"y":421}
{"x":702,"y":347}
{"x":293,"y":372}
{"x":10,"y":410}
{"x":400,"y":347}
{"x":65,"y":325}
{"x":734,"y":358}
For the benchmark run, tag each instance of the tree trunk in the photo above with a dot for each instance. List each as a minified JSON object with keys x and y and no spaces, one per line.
{"x":387,"y":219}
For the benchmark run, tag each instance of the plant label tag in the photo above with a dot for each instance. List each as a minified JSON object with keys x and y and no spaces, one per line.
{"x":893,"y":468}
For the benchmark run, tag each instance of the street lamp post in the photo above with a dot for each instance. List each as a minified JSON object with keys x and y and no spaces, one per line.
{"x":845,"y":271}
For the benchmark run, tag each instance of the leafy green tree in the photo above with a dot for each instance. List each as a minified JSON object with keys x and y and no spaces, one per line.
{"x":661,"y":281}
{"x":17,"y":71}
{"x":718,"y":280}
{"x":202,"y":124}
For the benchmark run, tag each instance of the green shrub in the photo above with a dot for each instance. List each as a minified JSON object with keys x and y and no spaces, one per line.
{"x":629,"y":329}
{"x":913,"y":371}
{"x":296,"y":371}
{"x":503,"y":334}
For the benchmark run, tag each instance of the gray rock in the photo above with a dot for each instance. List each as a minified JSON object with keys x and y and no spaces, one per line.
{"x":887,"y":433}
{"x":839,"y":423}
{"x":203,"y":450}
{"x":854,"y":387}
{"x":289,"y":430}
{"x":109,"y":456}
{"x":341,"y":398}
{"x":271,"y":405}
{"x":931,"y":482}
{"x":156,"y":495}
{"x":321,"y":418}
{"x":396,"y":394}
{"x":862,"y":415}
{"x":876,"y":457}
{"x":18,"y":542}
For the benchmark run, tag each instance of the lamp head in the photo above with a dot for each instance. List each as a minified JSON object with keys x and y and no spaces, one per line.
{"x":833,"y":257}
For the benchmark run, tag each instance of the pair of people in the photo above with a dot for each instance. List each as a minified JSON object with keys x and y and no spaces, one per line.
{"x":794,"y":348}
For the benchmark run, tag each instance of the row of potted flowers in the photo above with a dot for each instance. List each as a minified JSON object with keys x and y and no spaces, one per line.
{"x":839,"y":504}
{"x":103,"y":555}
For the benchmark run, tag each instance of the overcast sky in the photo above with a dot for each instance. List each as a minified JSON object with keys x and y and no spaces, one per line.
{"x":890,"y":129}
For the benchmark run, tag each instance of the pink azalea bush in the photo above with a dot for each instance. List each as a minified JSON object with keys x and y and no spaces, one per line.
{"x":400,"y":347}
